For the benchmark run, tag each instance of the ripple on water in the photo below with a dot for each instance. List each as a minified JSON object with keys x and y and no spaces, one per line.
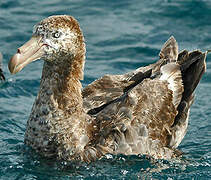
{"x":120,"y":36}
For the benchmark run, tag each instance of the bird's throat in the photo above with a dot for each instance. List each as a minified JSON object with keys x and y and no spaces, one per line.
{"x":60,"y":84}
{"x":57,"y":118}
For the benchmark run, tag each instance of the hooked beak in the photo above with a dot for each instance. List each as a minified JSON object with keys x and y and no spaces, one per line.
{"x":30,"y":51}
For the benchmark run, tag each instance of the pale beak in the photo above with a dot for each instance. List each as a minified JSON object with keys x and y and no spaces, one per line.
{"x":30,"y":51}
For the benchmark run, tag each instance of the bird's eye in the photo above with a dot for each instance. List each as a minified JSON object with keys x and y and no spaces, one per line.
{"x":56,"y":34}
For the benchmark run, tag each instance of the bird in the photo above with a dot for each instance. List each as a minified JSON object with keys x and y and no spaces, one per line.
{"x":145,"y":111}
{"x":2,"y":77}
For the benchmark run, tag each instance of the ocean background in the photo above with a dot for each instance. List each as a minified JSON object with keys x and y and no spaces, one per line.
{"x":121,"y":35}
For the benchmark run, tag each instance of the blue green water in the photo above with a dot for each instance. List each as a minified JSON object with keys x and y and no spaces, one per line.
{"x":120,"y":36}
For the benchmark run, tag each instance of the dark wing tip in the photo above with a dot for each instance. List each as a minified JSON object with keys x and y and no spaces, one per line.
{"x":192,"y":66}
{"x":192,"y":71}
{"x":2,"y":77}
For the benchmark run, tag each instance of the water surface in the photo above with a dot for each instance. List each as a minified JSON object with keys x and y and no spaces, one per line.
{"x":120,"y":37}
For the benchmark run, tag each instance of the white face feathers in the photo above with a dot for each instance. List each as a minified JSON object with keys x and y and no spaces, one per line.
{"x":57,"y":40}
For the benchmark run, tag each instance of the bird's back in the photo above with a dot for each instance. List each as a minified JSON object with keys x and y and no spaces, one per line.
{"x":138,"y":113}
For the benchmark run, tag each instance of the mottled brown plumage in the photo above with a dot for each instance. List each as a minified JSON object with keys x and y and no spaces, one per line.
{"x":142,"y":112}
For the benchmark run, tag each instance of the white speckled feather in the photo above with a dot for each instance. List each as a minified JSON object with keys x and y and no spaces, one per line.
{"x":142,"y":112}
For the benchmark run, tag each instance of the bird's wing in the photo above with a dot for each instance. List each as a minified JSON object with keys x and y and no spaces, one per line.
{"x":139,"y":122}
{"x":193,"y":66}
{"x":151,"y":117}
{"x":106,"y":89}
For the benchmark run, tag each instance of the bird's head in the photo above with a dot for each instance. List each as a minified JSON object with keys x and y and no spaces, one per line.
{"x":55,"y":39}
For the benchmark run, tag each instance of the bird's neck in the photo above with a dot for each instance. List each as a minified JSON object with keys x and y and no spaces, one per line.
{"x":62,"y":85}
{"x":58,"y":108}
